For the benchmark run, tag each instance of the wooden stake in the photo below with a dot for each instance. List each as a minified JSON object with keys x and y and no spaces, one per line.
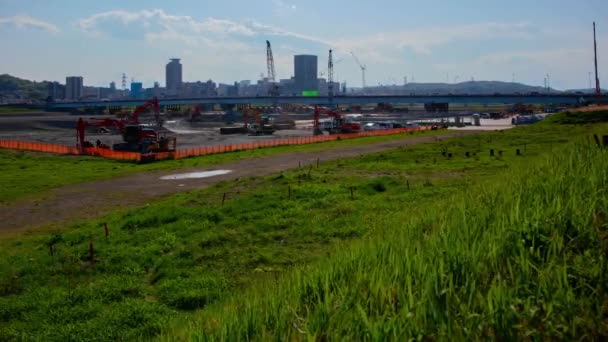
{"x":289,"y":191}
{"x":223,"y":199}
{"x":105,"y":228}
{"x":91,"y":252}
{"x":597,"y":140}
{"x":352,"y":193}
{"x":408,"y":184}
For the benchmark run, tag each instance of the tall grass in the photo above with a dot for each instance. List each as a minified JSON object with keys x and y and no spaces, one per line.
{"x":520,"y":258}
{"x":186,"y":255}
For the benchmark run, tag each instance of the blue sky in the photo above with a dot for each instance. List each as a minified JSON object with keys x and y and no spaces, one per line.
{"x":427,"y":41}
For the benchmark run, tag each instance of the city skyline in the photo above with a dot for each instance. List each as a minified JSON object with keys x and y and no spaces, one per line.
{"x":453,"y":42}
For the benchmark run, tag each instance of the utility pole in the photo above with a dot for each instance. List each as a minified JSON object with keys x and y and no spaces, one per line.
{"x":598,"y":89}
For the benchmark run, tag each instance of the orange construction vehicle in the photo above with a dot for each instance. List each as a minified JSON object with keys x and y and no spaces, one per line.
{"x":260,"y":127}
{"x":339,"y":123}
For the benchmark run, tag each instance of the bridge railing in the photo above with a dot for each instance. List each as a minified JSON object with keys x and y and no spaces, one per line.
{"x":197,"y":151}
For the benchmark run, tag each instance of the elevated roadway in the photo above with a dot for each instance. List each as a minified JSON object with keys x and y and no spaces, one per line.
{"x":553,"y":99}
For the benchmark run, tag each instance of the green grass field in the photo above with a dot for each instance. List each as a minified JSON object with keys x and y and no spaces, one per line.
{"x":519,"y":259}
{"x":17,"y":110}
{"x":32,"y":174}
{"x":425,"y":245}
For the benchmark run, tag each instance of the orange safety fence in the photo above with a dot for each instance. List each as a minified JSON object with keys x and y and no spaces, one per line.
{"x":191,"y":152}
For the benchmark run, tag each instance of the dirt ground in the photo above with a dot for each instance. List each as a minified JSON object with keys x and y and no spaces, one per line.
{"x":59,"y":128}
{"x":91,"y":200}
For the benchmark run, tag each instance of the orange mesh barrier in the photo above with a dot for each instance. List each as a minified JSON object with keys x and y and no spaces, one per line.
{"x":199,"y":151}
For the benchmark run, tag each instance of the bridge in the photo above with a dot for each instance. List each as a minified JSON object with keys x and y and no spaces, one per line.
{"x":541,"y":99}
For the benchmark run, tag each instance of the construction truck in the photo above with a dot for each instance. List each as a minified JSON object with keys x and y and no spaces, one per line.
{"x":144,"y":140}
{"x":261,"y":126}
{"x":339,"y":123}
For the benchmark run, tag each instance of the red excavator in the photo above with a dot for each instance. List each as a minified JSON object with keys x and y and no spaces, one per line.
{"x":136,"y":137}
{"x":134,"y":120}
{"x":339,"y":123}
{"x":196,"y":113}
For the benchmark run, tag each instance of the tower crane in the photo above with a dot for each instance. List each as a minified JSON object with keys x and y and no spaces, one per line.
{"x":363,"y":68}
{"x":330,"y":78}
{"x":274,"y":87}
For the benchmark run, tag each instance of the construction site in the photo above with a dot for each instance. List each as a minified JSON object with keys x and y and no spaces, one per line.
{"x":152,"y":128}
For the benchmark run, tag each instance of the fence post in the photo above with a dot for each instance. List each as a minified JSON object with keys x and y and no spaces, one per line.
{"x":91,"y":252}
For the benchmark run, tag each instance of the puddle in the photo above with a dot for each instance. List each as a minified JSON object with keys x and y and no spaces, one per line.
{"x":195,"y":175}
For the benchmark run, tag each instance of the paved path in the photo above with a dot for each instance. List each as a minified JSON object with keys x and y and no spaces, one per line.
{"x":91,"y":200}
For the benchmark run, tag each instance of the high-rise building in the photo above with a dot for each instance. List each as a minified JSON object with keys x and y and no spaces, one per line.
{"x":90,"y":93}
{"x":174,"y":77}
{"x":56,"y":91}
{"x":73,"y":87}
{"x":305,"y":71}
{"x":288,"y":87}
{"x":137,"y":90}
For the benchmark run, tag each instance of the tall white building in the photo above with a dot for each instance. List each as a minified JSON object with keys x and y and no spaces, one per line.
{"x":73,"y":87}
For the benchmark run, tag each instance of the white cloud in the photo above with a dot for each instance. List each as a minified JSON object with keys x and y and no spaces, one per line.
{"x":161,"y":24}
{"x":375,"y":47}
{"x":24,"y":21}
{"x":231,"y":48}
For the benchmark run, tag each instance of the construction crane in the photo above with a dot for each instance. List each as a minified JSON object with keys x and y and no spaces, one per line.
{"x":598,"y":88}
{"x":330,"y":78}
{"x":363,"y":68}
{"x":274,"y":87}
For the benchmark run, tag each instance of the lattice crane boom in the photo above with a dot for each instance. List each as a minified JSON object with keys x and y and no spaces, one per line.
{"x":270,"y":63}
{"x":363,"y":68}
{"x":330,"y":76}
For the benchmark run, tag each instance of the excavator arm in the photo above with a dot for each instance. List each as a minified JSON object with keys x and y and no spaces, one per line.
{"x":153,"y":102}
{"x":339,"y":121}
{"x":247,"y":112}
{"x":317,"y":115}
